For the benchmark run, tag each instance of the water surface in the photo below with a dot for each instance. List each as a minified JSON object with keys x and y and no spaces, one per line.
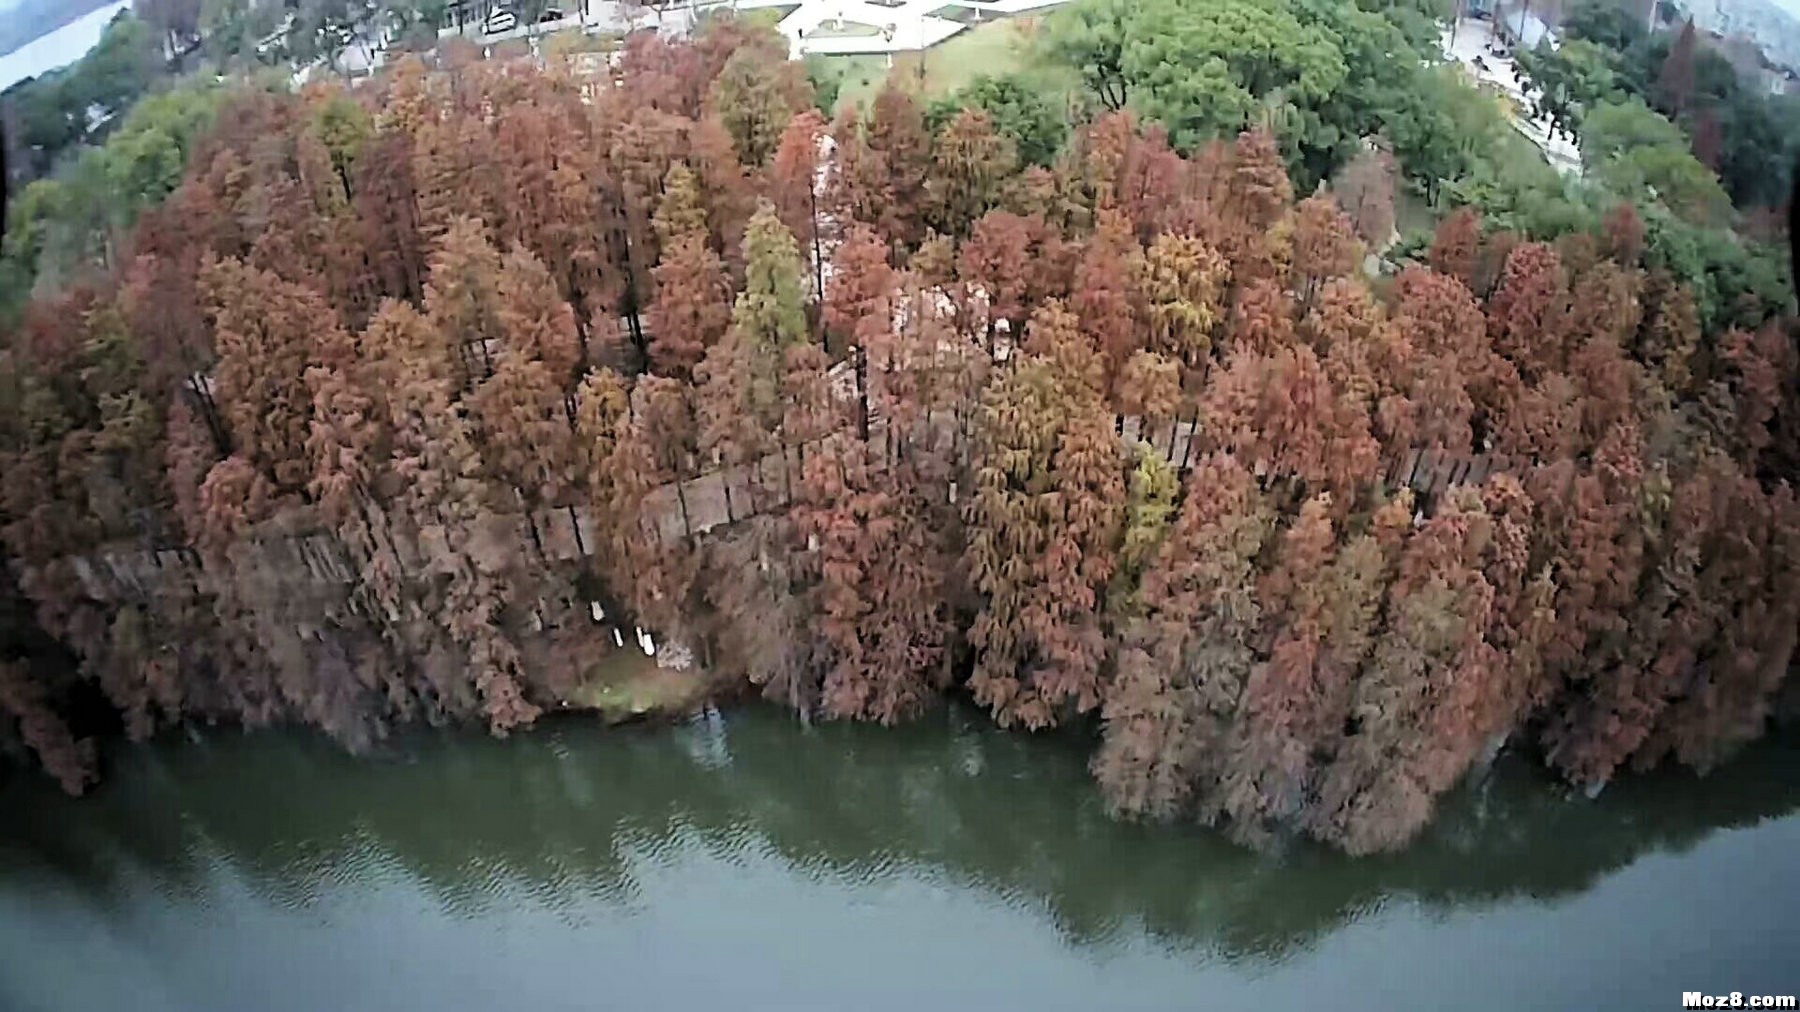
{"x":746,"y":862}
{"x":59,"y":48}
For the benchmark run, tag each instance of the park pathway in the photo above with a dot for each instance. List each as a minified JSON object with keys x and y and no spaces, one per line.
{"x":682,"y":510}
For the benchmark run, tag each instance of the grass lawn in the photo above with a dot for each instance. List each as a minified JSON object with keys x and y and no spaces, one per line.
{"x":574,"y":41}
{"x":992,"y":48}
{"x":1411,"y":212}
{"x":844,"y":30}
{"x":956,"y":13}
{"x":764,"y":17}
{"x":769,"y":17}
{"x":626,"y":684}
{"x":861,"y":76}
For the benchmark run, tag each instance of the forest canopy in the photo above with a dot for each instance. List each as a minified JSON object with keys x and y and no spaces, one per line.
{"x":1110,"y":440}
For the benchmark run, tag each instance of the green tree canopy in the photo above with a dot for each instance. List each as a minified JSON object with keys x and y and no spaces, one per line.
{"x":1443,"y":128}
{"x":1632,"y":149}
{"x":58,"y":111}
{"x":1203,"y":70}
{"x":1605,"y":23}
{"x":1017,"y":110}
{"x":1569,"y":79}
{"x":58,"y":224}
{"x":1323,"y":73}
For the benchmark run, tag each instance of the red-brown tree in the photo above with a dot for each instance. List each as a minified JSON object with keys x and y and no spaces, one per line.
{"x":1457,"y":245}
{"x":401,"y":333}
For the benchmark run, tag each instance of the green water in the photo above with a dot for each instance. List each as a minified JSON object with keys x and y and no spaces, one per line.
{"x":747,"y":862}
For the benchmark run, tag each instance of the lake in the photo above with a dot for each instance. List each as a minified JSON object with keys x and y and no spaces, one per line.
{"x":58,"y":48}
{"x":744,"y":861}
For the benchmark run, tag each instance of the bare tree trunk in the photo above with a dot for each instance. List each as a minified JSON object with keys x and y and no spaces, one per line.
{"x":210,"y":412}
{"x":575,"y":525}
{"x":862,"y":393}
{"x":812,"y":196}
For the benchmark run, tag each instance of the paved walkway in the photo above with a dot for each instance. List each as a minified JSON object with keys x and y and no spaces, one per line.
{"x":844,"y":27}
{"x":1467,"y":44}
{"x":825,"y":27}
{"x":679,"y":510}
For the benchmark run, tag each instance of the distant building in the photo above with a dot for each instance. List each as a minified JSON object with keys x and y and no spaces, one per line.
{"x":478,"y":18}
{"x":1742,"y":52}
{"x":1753,"y":64}
{"x":277,"y":39}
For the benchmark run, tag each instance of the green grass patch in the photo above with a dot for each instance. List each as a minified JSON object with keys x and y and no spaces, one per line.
{"x":993,"y":48}
{"x":626,"y":685}
{"x":1412,"y":213}
{"x":844,"y":30}
{"x":860,"y":77}
{"x":966,"y":15}
{"x":762,"y":17}
{"x":990,"y":49}
{"x":768,"y":17}
{"x":571,"y":42}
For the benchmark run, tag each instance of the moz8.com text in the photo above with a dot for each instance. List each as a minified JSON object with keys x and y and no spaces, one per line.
{"x":1737,"y":999}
